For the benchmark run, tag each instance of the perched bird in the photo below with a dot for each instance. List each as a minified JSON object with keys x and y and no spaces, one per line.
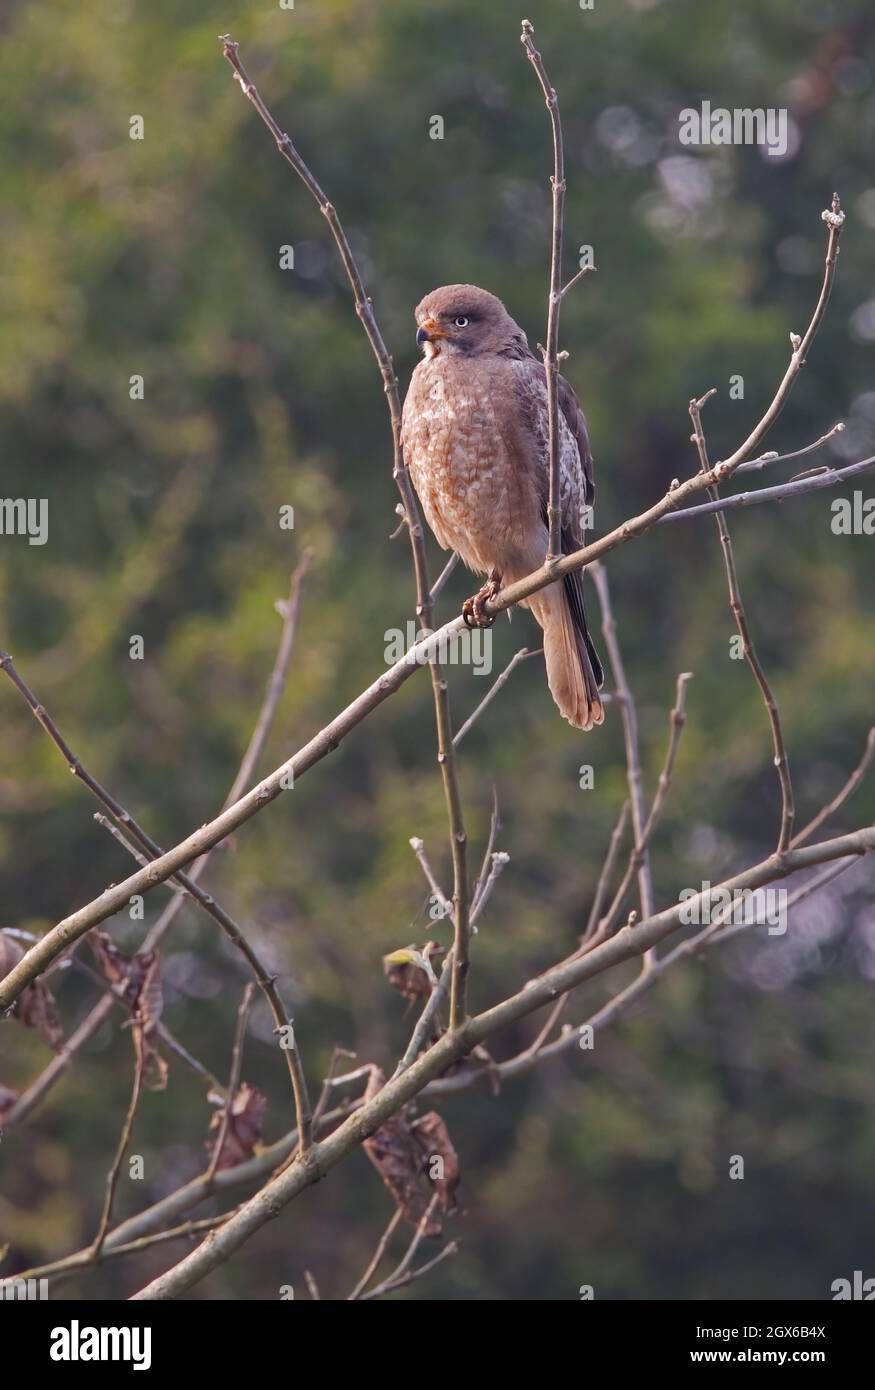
{"x":475,"y":438}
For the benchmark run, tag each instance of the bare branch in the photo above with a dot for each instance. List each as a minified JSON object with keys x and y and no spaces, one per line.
{"x":290,"y":611}
{"x":834,"y":219}
{"x":796,"y":487}
{"x":398,"y":1283}
{"x":554,"y":303}
{"x":124,"y":1140}
{"x":629,"y":942}
{"x":376,"y":1257}
{"x":841,"y":797}
{"x":630,"y":735}
{"x":736,"y":604}
{"x":493,"y":690}
{"x":599,"y":928}
{"x":438,"y":585}
{"x":233,"y":1083}
{"x":764,"y":460}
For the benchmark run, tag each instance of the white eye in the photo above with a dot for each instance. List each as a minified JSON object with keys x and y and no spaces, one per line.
{"x":461,"y":321}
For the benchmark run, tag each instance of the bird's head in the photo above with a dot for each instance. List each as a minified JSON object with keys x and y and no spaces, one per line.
{"x":466,"y":321}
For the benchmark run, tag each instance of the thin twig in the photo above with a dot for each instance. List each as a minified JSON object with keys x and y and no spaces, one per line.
{"x":780,"y":492}
{"x":554,"y":302}
{"x":486,"y":866}
{"x":324,"y":1094}
{"x":606,"y":874}
{"x":439,"y":584}
{"x":437,"y":893}
{"x":83,"y":1258}
{"x":407,"y":1259}
{"x":736,"y":604}
{"x":766,"y":460}
{"x":599,"y":928}
{"x":493,"y":690}
{"x":452,"y":1248}
{"x":841,"y":797}
{"x":290,"y":611}
{"x":630,"y":736}
{"x":677,"y":719}
{"x":834,"y":219}
{"x":233,"y":1082}
{"x":124,"y":1140}
{"x":376,"y":1257}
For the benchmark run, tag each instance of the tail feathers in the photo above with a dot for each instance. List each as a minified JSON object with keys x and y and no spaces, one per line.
{"x":574,"y":672}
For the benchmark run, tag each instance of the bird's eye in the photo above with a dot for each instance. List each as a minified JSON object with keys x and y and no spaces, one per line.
{"x":461,"y":321}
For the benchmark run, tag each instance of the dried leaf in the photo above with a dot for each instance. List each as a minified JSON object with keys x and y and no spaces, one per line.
{"x":36,"y":1009}
{"x":411,"y":972}
{"x":36,"y":1004}
{"x":138,"y":980}
{"x":404,"y":1151}
{"x":248,"y":1109}
{"x":147,"y":1016}
{"x":439,"y":1158}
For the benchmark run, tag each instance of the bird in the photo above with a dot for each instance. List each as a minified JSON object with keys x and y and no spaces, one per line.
{"x":474,"y":435}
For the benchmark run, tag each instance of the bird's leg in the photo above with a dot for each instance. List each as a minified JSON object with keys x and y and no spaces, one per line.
{"x":473,"y":609}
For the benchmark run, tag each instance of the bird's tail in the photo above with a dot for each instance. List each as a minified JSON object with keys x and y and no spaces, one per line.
{"x":574,"y":672}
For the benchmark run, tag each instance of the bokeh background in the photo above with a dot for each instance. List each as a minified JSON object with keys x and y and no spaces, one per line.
{"x":162,"y":257}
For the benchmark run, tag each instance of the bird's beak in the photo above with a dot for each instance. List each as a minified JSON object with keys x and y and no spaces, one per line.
{"x":428,"y":332}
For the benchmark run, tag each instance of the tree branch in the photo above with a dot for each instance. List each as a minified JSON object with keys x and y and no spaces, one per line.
{"x":736,"y":605}
{"x":630,"y":941}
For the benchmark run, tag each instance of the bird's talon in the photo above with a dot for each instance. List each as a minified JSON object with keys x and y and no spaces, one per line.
{"x":474,"y":608}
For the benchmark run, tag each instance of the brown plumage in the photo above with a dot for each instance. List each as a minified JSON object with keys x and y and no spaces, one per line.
{"x":475,"y":437}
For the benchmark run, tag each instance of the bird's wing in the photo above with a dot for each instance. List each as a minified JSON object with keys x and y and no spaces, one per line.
{"x":576,"y":464}
{"x":576,"y":481}
{"x":576,"y":422}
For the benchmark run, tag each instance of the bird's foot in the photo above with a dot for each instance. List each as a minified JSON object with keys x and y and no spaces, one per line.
{"x":474,"y":608}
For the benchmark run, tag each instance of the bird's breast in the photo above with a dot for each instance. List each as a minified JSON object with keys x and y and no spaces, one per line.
{"x":462,"y":467}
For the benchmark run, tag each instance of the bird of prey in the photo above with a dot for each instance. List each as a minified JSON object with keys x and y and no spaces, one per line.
{"x":475,"y":438}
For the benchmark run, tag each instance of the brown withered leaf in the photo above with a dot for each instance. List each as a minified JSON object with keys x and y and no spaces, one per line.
{"x":36,"y":1004}
{"x":244,"y":1126}
{"x":403,"y":1151}
{"x":147,"y":1016}
{"x":439,"y":1158}
{"x":139,"y":979}
{"x":116,"y":967}
{"x":407,"y":974}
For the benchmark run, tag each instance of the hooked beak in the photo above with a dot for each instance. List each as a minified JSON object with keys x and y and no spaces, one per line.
{"x":428,"y":332}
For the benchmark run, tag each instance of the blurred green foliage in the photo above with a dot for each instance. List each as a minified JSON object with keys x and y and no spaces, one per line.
{"x":161,"y":257}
